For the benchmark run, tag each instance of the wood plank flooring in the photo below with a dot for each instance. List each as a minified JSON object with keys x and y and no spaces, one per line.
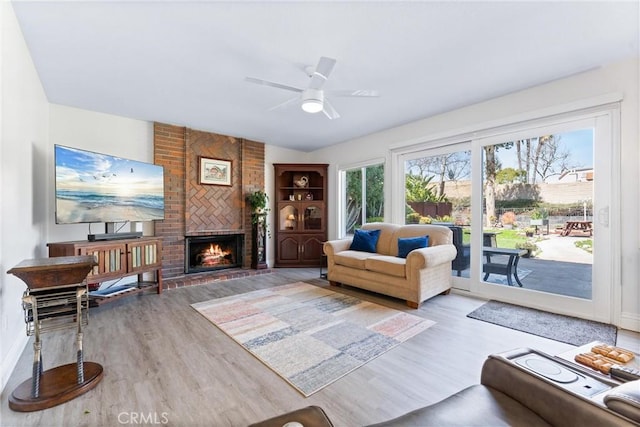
{"x":165,"y":364}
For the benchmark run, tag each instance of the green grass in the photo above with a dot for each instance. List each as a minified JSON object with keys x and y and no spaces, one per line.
{"x":585,"y":245}
{"x":505,"y":238}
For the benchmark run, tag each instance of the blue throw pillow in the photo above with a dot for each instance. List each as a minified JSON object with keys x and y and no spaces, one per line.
{"x":408,"y":244}
{"x":365,"y":240}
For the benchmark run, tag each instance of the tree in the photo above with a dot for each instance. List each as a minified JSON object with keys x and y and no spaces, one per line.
{"x":490,"y":165}
{"x":375,"y":191}
{"x":419,"y":189}
{"x":553,"y":159}
{"x":353,"y":208}
{"x":374,"y":197}
{"x":447,"y":167}
{"x":510,"y":176}
{"x":544,"y":157}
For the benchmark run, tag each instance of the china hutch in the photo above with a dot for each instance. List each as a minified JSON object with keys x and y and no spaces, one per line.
{"x":301,"y":214}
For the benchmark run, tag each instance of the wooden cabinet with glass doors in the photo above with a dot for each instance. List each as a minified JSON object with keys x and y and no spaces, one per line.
{"x":301,"y":214}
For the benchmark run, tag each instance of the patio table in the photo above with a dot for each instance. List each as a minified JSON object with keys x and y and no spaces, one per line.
{"x":509,"y":269}
{"x":586,"y":226}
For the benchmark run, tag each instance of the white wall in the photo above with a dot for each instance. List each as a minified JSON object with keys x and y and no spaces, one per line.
{"x":620,"y":78}
{"x":30,"y":127}
{"x":23,"y":180}
{"x":102,"y":133}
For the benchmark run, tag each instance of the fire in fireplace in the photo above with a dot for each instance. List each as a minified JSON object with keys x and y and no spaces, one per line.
{"x":207,"y":253}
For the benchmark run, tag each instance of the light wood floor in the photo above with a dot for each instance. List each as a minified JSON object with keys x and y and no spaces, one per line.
{"x":166,"y":364}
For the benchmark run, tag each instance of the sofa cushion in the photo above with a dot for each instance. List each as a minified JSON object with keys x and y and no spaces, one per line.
{"x":407,"y":244}
{"x":353,"y":259}
{"x":365,"y":240}
{"x":386,"y":264}
{"x":387,"y":243}
{"x":438,"y":234}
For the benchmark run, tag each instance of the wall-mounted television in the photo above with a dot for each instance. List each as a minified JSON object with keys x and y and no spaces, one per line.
{"x":93,"y":187}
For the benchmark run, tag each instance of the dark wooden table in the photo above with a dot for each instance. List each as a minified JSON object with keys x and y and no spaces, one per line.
{"x":584,"y":226}
{"x":509,"y":269}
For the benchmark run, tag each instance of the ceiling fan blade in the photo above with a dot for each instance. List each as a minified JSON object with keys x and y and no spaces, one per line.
{"x":355,"y":92}
{"x":329,"y":111}
{"x":285,"y":103}
{"x":272,"y":84}
{"x":321,"y":73}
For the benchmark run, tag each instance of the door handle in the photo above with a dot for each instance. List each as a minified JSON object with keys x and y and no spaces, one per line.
{"x":603,"y":216}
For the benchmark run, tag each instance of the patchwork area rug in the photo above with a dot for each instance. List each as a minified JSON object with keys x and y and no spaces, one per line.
{"x":570,"y":330}
{"x":309,"y":335}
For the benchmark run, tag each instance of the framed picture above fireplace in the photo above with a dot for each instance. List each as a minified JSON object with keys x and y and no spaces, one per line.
{"x":214,"y":171}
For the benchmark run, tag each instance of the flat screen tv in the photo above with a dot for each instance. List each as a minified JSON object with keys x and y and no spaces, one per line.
{"x":93,"y":187}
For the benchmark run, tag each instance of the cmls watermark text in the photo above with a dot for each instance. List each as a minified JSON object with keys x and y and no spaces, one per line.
{"x":143,"y":418}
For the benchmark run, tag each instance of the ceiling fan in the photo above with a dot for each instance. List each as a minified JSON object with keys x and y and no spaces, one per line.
{"x":313,"y":98}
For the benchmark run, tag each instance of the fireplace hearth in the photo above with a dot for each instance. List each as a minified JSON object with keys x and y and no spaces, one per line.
{"x":214,"y":252}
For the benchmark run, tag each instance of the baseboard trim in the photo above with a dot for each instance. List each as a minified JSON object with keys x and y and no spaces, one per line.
{"x":630,"y":321}
{"x":9,"y":363}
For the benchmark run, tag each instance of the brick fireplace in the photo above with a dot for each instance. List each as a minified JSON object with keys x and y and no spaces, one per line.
{"x":194,"y":210}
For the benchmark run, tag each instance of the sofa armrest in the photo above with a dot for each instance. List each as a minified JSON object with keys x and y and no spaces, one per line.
{"x":625,"y":400}
{"x":556,"y":405}
{"x":431,"y":256}
{"x":332,"y":247}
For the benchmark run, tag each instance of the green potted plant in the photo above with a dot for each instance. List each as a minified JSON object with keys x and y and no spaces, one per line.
{"x":539,"y":217}
{"x":529,"y":231}
{"x":530,"y":247}
{"x":258,"y":202}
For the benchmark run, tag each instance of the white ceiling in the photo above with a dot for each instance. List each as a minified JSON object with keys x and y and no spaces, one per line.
{"x":184,"y":63}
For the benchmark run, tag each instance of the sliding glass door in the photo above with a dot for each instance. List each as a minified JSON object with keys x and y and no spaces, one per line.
{"x":539,"y":194}
{"x":530,"y":206}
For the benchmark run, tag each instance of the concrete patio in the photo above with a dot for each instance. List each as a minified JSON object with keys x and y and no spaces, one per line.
{"x":560,"y":268}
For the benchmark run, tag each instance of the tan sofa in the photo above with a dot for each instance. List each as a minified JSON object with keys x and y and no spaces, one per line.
{"x":423,"y":274}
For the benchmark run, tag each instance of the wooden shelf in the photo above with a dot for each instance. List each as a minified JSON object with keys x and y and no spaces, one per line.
{"x":117,"y":259}
{"x":98,"y":300}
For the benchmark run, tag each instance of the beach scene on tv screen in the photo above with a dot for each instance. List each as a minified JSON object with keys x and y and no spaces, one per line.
{"x":93,"y":187}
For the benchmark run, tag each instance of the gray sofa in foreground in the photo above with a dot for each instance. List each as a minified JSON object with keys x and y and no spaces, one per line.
{"x":516,"y":389}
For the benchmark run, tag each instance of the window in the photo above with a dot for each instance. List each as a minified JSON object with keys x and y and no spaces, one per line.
{"x":363,"y":201}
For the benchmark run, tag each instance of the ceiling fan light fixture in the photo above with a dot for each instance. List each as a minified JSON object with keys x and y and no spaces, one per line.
{"x":312,"y":101}
{"x":312,"y":106}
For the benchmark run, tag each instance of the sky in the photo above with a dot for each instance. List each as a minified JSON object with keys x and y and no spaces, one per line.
{"x":579,"y":143}
{"x":87,"y":171}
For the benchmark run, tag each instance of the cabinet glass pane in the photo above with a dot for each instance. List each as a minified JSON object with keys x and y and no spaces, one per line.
{"x":312,"y":218}
{"x":288,"y":218}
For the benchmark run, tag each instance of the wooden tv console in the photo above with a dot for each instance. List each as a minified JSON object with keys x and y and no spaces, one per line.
{"x":117,"y":259}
